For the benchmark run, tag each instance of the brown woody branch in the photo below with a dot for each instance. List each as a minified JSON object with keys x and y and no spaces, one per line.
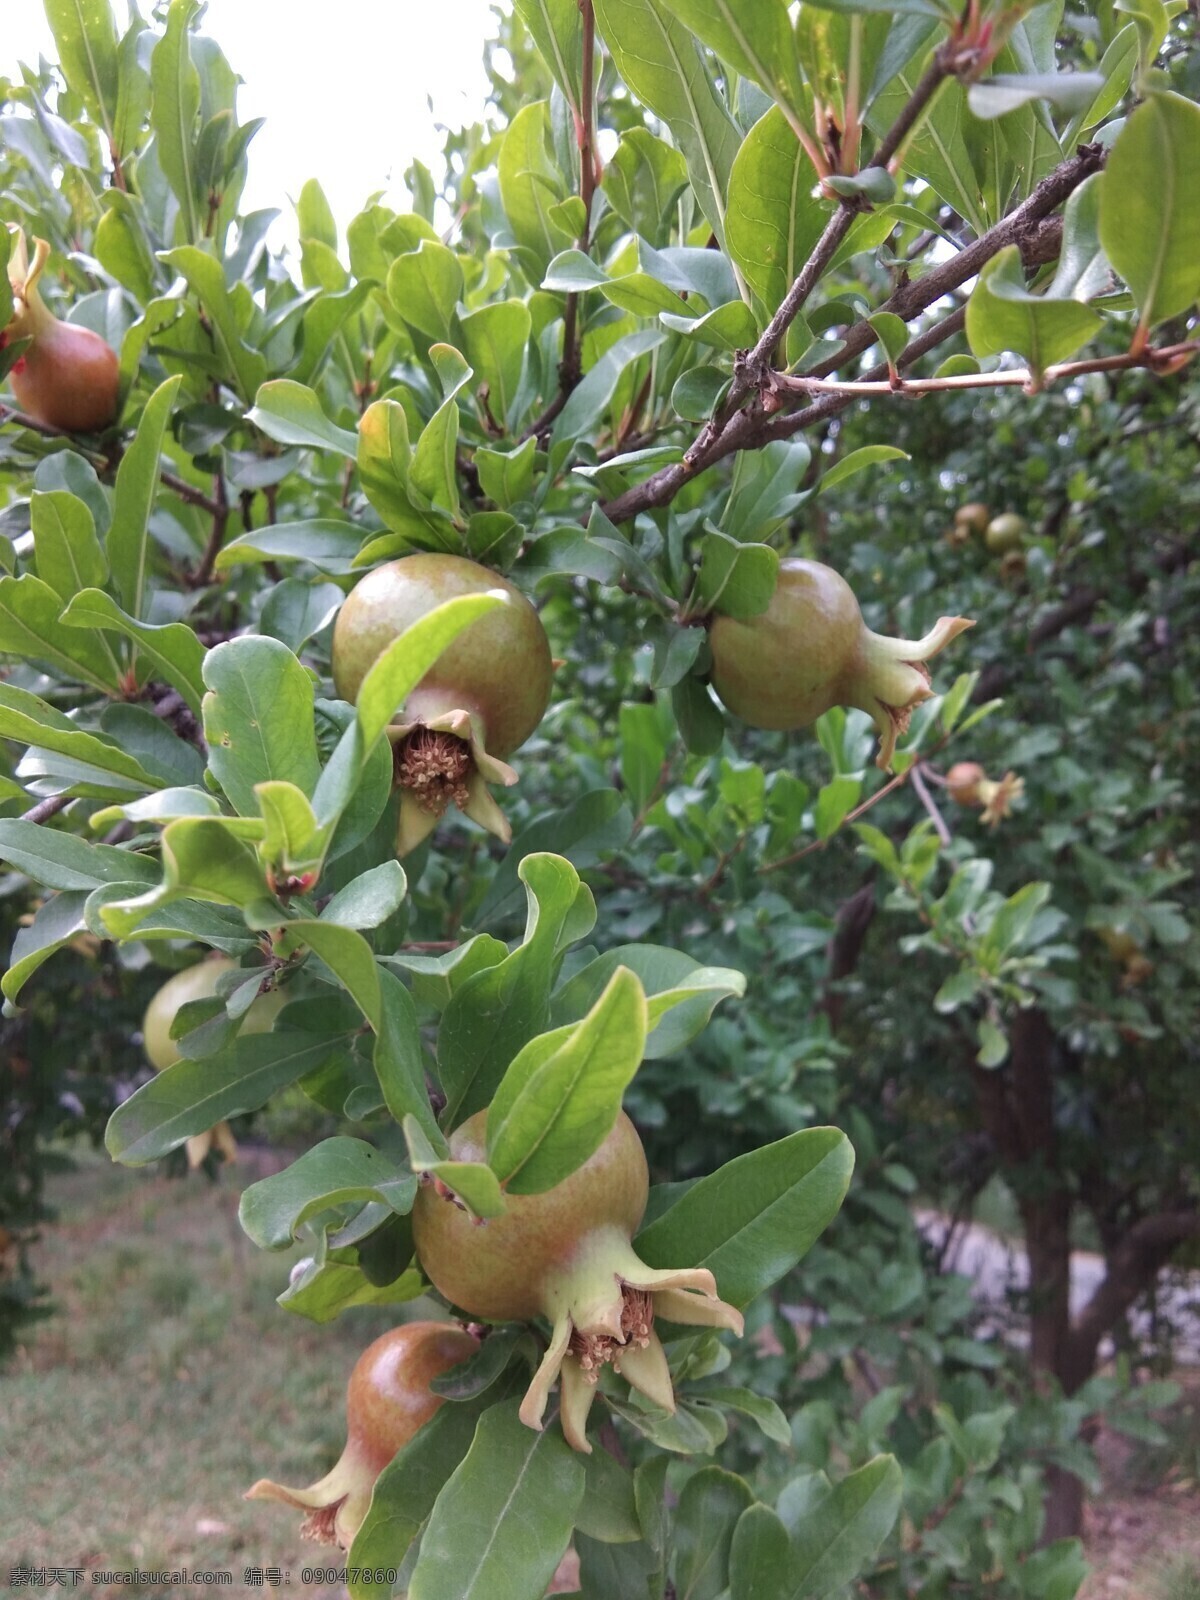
{"x":220,"y":520}
{"x":1132,"y":1268}
{"x":45,"y":809}
{"x":755,"y":427}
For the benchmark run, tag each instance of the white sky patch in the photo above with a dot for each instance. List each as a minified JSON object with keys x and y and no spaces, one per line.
{"x":352,"y":90}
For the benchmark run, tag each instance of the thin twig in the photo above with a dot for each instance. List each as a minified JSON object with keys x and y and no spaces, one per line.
{"x":220,"y":518}
{"x":930,"y":804}
{"x":45,"y":809}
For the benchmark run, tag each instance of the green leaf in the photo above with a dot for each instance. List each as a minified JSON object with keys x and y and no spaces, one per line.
{"x":530,"y":187}
{"x":203,"y":858}
{"x":1006,"y":91}
{"x":642,"y":182}
{"x":701,"y":724}
{"x":193,"y":1096}
{"x":258,"y":719}
{"x":559,"y":1099}
{"x":31,"y":629}
{"x":586,"y":830}
{"x":348,"y":956}
{"x":172,"y":649}
{"x":765,"y":1413}
{"x":85,"y":36}
{"x":1003,"y":315}
{"x":590,"y":399}
{"x":370,"y":899}
{"x":133,"y":499}
{"x":424,"y":286}
{"x":507,"y":476}
{"x":835,"y":1539}
{"x":294,"y":610}
{"x":710,"y":1506}
{"x":328,"y":544}
{"x":25,"y":717}
{"x":61,"y":861}
{"x":473,"y":1183}
{"x":335,"y":1172}
{"x":57,"y":921}
{"x":657,"y":57}
{"x":500,"y":1009}
{"x":330,"y":1286}
{"x":67,"y":551}
{"x":501,"y":1524}
{"x":407,"y":1491}
{"x":174,"y":108}
{"x":399,"y":1060}
{"x":290,"y":413}
{"x":244,"y":367}
{"x":892,"y":332}
{"x":759,"y":1556}
{"x":735,"y":579}
{"x":609,"y":1508}
{"x":433,"y":471}
{"x":556,"y":29}
{"x":754,"y":1218}
{"x":1149,"y":221}
{"x":495,"y":337}
{"x":867,"y":455}
{"x":682,"y":995}
{"x":753,"y":36}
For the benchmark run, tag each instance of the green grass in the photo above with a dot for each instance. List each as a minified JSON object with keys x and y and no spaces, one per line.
{"x":132,"y":1421}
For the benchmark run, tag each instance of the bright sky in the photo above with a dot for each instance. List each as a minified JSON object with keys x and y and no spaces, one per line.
{"x":345,"y":86}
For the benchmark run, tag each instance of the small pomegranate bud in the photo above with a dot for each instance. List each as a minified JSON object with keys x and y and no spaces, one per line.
{"x":68,"y":377}
{"x":566,"y":1255}
{"x":969,"y":785}
{"x":387,"y":1400}
{"x":810,"y":650}
{"x":480,"y":701}
{"x":972,"y":518}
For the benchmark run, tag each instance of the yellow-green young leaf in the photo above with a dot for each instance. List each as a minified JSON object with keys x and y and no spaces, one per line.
{"x":774,"y":219}
{"x":501,"y":1524}
{"x":434,"y":472}
{"x":384,"y":457}
{"x":472,"y":1182}
{"x":204,"y":858}
{"x":424,"y":286}
{"x":294,"y":842}
{"x":333,"y":1173}
{"x":1002,"y":315}
{"x":657,"y":57}
{"x":1149,"y":216}
{"x":335,"y":1281}
{"x":559,"y":1098}
{"x":86,"y":38}
{"x":754,"y":1218}
{"x":133,"y":498}
{"x":174,"y":108}
{"x":290,"y":413}
{"x":867,"y":455}
{"x":245,"y":368}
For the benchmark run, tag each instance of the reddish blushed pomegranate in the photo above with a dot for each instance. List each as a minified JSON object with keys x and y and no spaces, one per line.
{"x":811,"y":650}
{"x":480,"y":701}
{"x":67,"y":377}
{"x":566,"y":1255}
{"x":969,"y":785}
{"x":387,"y":1400}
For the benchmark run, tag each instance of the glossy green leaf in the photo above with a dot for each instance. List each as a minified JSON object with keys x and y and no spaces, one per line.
{"x":327,"y":1287}
{"x":557,"y":30}
{"x":868,"y":455}
{"x":433,"y":471}
{"x":203,"y":858}
{"x":1006,"y":91}
{"x":590,"y":399}
{"x":193,"y":1096}
{"x":61,"y":861}
{"x":585,"y":830}
{"x":709,"y":1508}
{"x":348,"y":956}
{"x":754,"y":1218}
{"x":335,"y":1172}
{"x":57,"y":921}
{"x":560,"y":1096}
{"x":1003,"y":315}
{"x":608,"y":1511}
{"x":174,"y":108}
{"x":766,"y":1415}
{"x":495,"y":338}
{"x":369,"y":899}
{"x":1149,"y":220}
{"x":330,"y":545}
{"x":85,"y":36}
{"x":473,"y":1184}
{"x":245,"y":368}
{"x":31,"y":721}
{"x":642,"y":182}
{"x":66,"y":549}
{"x":30,"y":628}
{"x":531,"y":185}
{"x":700,"y":720}
{"x":681,"y":993}
{"x":836,"y":1538}
{"x":290,"y":413}
{"x":172,"y":649}
{"x":133,"y":499}
{"x":657,"y":57}
{"x":759,"y":1556}
{"x":258,"y":719}
{"x":502,"y":1522}
{"x":507,"y":476}
{"x":736,"y":580}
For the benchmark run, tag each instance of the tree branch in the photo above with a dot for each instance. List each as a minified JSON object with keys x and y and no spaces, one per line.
{"x":754,"y":428}
{"x":1132,"y":1268}
{"x":45,"y":809}
{"x":220,"y":518}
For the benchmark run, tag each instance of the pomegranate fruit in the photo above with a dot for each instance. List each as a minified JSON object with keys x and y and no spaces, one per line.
{"x":388,"y":1399}
{"x":480,"y":701}
{"x":68,"y":377}
{"x":1005,"y":533}
{"x":969,"y":785}
{"x":566,"y":1255}
{"x":973,"y":517}
{"x":810,"y":650}
{"x":199,"y":983}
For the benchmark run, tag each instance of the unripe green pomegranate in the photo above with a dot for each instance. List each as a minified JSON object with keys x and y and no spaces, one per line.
{"x":969,"y":785}
{"x":200,"y":983}
{"x":480,"y":701}
{"x":1006,"y":532}
{"x":810,"y":650}
{"x":566,"y":1255}
{"x":388,"y":1399}
{"x":67,"y":377}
